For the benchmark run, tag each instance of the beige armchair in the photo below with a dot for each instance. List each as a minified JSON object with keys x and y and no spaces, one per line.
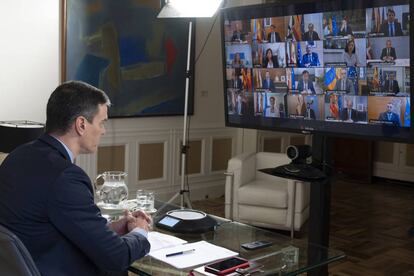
{"x":261,"y":199}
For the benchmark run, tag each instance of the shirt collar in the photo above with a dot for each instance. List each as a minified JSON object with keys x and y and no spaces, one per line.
{"x":70,"y":153}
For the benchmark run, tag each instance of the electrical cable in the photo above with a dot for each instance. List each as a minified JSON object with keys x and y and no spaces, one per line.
{"x":206,"y":40}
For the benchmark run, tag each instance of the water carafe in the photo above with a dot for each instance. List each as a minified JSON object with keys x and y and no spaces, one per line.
{"x":114,"y":191}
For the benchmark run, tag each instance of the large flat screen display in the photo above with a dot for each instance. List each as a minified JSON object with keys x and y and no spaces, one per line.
{"x":332,"y":67}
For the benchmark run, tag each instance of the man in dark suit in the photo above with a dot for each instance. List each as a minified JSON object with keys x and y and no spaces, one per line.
{"x":310,"y":113}
{"x":391,"y":84}
{"x":348,"y":113}
{"x":388,"y":53}
{"x":305,"y":86}
{"x":344,"y":84}
{"x":345,"y":29}
{"x":310,"y":59}
{"x":273,"y":36}
{"x":390,"y":116}
{"x":267,"y":83}
{"x":310,"y":34}
{"x":391,"y":27}
{"x":48,"y":201}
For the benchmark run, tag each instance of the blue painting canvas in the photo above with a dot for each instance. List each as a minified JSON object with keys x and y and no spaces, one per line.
{"x":124,"y":49}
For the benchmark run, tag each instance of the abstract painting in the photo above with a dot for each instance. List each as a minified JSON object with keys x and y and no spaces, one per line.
{"x":124,"y":49}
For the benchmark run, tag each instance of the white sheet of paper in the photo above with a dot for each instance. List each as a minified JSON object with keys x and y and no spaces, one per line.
{"x":203,"y":253}
{"x":159,"y":241}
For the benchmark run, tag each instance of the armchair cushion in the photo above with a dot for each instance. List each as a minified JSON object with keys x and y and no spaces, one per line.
{"x":264,"y":193}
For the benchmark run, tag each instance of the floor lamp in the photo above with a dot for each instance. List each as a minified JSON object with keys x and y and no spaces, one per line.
{"x":187,"y":9}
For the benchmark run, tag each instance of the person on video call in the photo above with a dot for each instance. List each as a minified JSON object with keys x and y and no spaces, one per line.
{"x":237,"y":62}
{"x":391,"y":27}
{"x":389,"y":115}
{"x":305,"y":86}
{"x":345,"y":84}
{"x":310,"y":59}
{"x":273,"y":36}
{"x":388,"y":53}
{"x":310,"y":113}
{"x":273,"y":109}
{"x":349,"y":56}
{"x":270,"y":61}
{"x":300,"y":109}
{"x":310,"y":34}
{"x":391,"y":84}
{"x":267,"y":83}
{"x":48,"y":201}
{"x":348,"y":113}
{"x":345,"y":29}
{"x":238,"y":35}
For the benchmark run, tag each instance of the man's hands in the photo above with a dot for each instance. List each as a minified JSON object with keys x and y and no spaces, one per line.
{"x":130,"y":221}
{"x":139,"y":219}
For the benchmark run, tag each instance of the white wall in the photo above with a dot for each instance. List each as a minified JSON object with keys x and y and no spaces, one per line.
{"x":29,"y":56}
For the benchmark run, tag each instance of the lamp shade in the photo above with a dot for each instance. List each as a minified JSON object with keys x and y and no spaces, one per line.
{"x":16,"y":133}
{"x":189,"y":8}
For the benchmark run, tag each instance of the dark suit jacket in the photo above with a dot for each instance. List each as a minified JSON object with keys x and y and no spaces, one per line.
{"x":237,"y":36}
{"x":392,"y":53}
{"x":344,"y":115}
{"x":311,"y":114}
{"x":307,"y":36}
{"x":397,"y":28}
{"x":395,"y":87}
{"x":310,"y":86}
{"x":274,"y":60}
{"x":394,"y":118}
{"x":277,"y":36}
{"x":270,"y":86}
{"x":48,"y":203}
{"x":349,"y":86}
{"x":311,"y":61}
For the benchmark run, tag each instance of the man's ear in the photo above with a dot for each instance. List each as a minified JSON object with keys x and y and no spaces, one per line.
{"x":80,"y":125}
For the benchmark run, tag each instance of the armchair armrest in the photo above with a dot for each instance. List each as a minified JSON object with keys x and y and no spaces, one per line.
{"x":241,"y":170}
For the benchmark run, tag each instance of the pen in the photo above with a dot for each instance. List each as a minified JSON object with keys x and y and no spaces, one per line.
{"x":180,"y":253}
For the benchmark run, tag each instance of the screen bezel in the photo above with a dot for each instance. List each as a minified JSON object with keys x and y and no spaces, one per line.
{"x":339,"y":129}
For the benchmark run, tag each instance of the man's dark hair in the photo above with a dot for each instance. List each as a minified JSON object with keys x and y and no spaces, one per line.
{"x":71,"y":100}
{"x":391,"y":11}
{"x":305,"y":72}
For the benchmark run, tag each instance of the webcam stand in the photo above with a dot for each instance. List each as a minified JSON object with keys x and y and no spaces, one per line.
{"x":318,"y":174}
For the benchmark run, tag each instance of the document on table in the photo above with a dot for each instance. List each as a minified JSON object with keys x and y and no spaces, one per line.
{"x":203,"y":252}
{"x":159,"y":240}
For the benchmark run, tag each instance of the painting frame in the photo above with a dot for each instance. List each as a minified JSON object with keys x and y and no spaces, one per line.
{"x":174,"y":107}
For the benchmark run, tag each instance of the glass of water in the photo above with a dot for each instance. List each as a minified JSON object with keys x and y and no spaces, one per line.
{"x":145,"y":201}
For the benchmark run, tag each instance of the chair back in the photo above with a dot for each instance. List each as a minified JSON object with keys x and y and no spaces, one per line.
{"x":14,"y":257}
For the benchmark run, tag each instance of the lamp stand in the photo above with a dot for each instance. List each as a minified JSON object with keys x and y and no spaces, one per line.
{"x":184,"y":193}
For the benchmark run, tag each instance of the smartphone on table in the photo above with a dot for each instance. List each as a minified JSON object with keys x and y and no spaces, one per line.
{"x":226,"y":266}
